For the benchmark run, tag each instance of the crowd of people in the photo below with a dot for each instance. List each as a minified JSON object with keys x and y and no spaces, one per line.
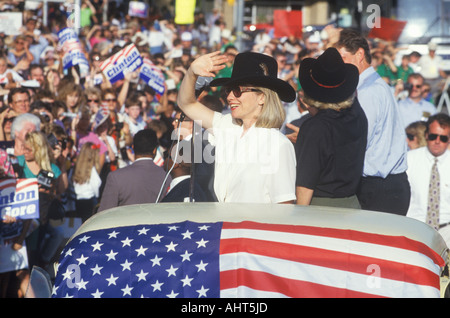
{"x":94,"y":145}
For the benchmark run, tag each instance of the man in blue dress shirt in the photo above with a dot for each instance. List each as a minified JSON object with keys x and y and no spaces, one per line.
{"x":415,"y":107}
{"x":384,"y":185}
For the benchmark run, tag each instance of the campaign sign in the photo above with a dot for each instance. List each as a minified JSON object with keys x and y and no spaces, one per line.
{"x":152,"y":76}
{"x":73,"y":51}
{"x":19,"y":198}
{"x":138,"y":9}
{"x":11,"y":22}
{"x":127,"y":60}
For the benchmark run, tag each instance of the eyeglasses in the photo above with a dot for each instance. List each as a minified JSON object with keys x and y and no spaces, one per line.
{"x":110,"y":100}
{"x":92,"y":100}
{"x":443,"y":138}
{"x":237,"y":91}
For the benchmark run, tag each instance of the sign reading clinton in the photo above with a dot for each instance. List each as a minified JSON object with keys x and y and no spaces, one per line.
{"x":153,"y":76}
{"x":127,"y":60}
{"x":19,"y":198}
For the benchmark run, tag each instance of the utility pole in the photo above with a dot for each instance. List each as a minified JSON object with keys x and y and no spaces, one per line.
{"x":239,"y":15}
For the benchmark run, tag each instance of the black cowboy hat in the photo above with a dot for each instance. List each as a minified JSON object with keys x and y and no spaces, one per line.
{"x":259,"y":70}
{"x":328,"y":79}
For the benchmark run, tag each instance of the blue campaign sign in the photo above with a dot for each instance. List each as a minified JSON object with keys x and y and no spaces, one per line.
{"x":153,"y":76}
{"x":127,"y":60}
{"x":73,"y":51}
{"x":19,"y":198}
{"x":67,"y":34}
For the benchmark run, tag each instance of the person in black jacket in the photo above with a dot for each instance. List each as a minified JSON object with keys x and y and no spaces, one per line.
{"x":331,"y":146}
{"x":180,"y":170}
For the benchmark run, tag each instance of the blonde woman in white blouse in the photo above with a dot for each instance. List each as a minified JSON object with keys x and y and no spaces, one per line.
{"x":254,"y":161}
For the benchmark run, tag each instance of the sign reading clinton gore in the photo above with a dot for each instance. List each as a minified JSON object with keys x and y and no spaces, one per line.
{"x":73,"y":51}
{"x":127,"y":60}
{"x":153,"y":76}
{"x":19,"y":198}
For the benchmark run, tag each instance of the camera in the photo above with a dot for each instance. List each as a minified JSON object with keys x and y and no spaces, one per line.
{"x":64,"y":144}
{"x":52,"y":140}
{"x":45,"y":178}
{"x":408,"y":87}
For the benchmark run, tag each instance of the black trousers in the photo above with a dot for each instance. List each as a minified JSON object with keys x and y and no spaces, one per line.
{"x":391,"y":194}
{"x":85,"y":208}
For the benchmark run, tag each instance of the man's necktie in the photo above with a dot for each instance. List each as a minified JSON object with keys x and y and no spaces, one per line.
{"x":433,"y":197}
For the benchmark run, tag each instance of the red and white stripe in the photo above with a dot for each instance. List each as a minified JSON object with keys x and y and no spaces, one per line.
{"x":113,"y":59}
{"x":18,"y":184}
{"x":25,"y":184}
{"x":267,"y":260}
{"x":72,"y":45}
{"x":7,"y":183}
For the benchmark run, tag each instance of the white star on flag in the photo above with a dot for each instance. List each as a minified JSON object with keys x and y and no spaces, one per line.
{"x":126,"y":242}
{"x":157,"y":238}
{"x":142,"y":276}
{"x":171,"y":246}
{"x":141,"y":250}
{"x":186,"y":256}
{"x":143,"y":231}
{"x":156,"y":260}
{"x":96,"y":270}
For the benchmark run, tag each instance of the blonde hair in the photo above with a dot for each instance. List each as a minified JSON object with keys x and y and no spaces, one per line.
{"x":334,"y":106}
{"x":43,"y":154}
{"x":417,"y":129}
{"x":272,"y":114}
{"x":86,"y":159}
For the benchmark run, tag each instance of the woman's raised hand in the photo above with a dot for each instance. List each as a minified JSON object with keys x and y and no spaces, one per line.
{"x":206,"y":65}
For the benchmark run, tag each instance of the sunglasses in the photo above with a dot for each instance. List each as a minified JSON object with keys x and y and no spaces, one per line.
{"x":237,"y":91}
{"x":110,"y":100}
{"x":443,"y":138}
{"x":92,"y":100}
{"x":410,"y":137}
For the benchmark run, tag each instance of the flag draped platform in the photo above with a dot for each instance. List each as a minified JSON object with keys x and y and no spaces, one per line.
{"x":196,"y":250}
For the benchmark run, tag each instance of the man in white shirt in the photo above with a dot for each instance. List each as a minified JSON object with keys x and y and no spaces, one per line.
{"x":431,"y":64}
{"x":431,"y":68}
{"x":420,"y":163}
{"x":415,"y":107}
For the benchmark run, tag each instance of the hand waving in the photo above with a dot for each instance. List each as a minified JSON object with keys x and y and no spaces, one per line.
{"x":206,"y":65}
